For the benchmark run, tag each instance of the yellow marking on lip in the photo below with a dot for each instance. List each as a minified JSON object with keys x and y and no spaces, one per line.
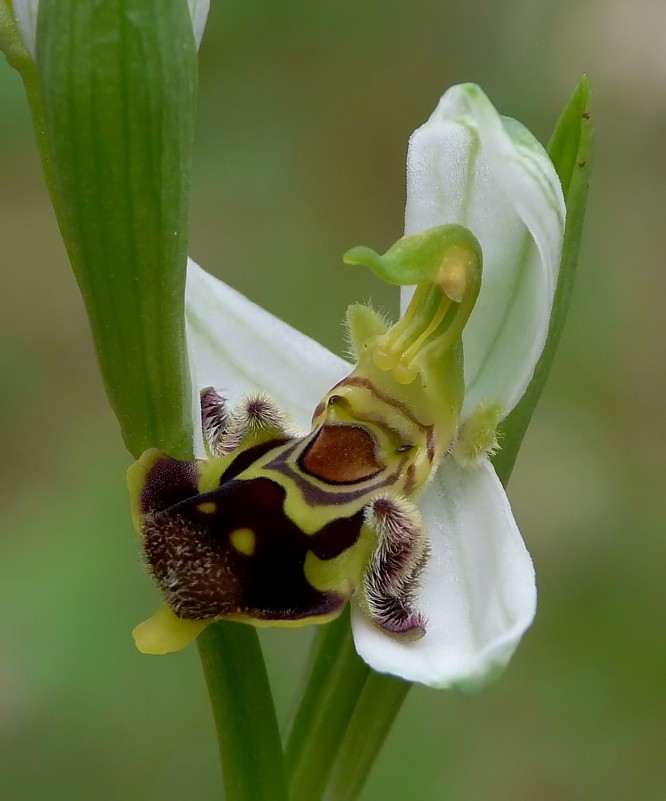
{"x":208,"y":507}
{"x":243,"y":540}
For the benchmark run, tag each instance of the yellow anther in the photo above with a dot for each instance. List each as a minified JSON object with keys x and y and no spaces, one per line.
{"x":208,"y":507}
{"x":454,"y":274}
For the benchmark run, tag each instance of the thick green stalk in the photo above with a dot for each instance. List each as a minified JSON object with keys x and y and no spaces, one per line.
{"x":247,"y":729}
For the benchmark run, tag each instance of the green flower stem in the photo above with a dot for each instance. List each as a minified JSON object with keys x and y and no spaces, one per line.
{"x":373,"y":704}
{"x":334,"y":685}
{"x":377,"y":708}
{"x":247,"y":729}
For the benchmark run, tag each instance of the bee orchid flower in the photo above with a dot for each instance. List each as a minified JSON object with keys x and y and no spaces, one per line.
{"x":390,"y":501}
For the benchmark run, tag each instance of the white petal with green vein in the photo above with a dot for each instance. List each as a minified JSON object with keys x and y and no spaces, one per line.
{"x":469,"y":165}
{"x":238,"y":347}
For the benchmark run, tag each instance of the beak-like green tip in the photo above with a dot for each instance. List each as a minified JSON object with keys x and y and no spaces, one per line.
{"x":363,"y":257}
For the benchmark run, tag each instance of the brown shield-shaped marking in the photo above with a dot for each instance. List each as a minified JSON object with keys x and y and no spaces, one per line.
{"x":341,"y":454}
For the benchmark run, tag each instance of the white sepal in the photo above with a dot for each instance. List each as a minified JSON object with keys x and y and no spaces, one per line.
{"x":238,"y":347}
{"x":469,"y":165}
{"x":478,"y":591}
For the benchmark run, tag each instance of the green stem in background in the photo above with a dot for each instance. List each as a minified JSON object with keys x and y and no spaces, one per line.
{"x":247,"y":729}
{"x":377,"y":708}
{"x":379,"y":698}
{"x":335,"y":682}
{"x":113,"y":101}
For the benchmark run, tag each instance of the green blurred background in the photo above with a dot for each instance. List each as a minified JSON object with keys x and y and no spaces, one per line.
{"x":305,"y":110}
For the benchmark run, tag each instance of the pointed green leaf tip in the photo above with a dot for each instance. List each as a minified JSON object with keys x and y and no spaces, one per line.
{"x":570,"y":149}
{"x":118,"y":83}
